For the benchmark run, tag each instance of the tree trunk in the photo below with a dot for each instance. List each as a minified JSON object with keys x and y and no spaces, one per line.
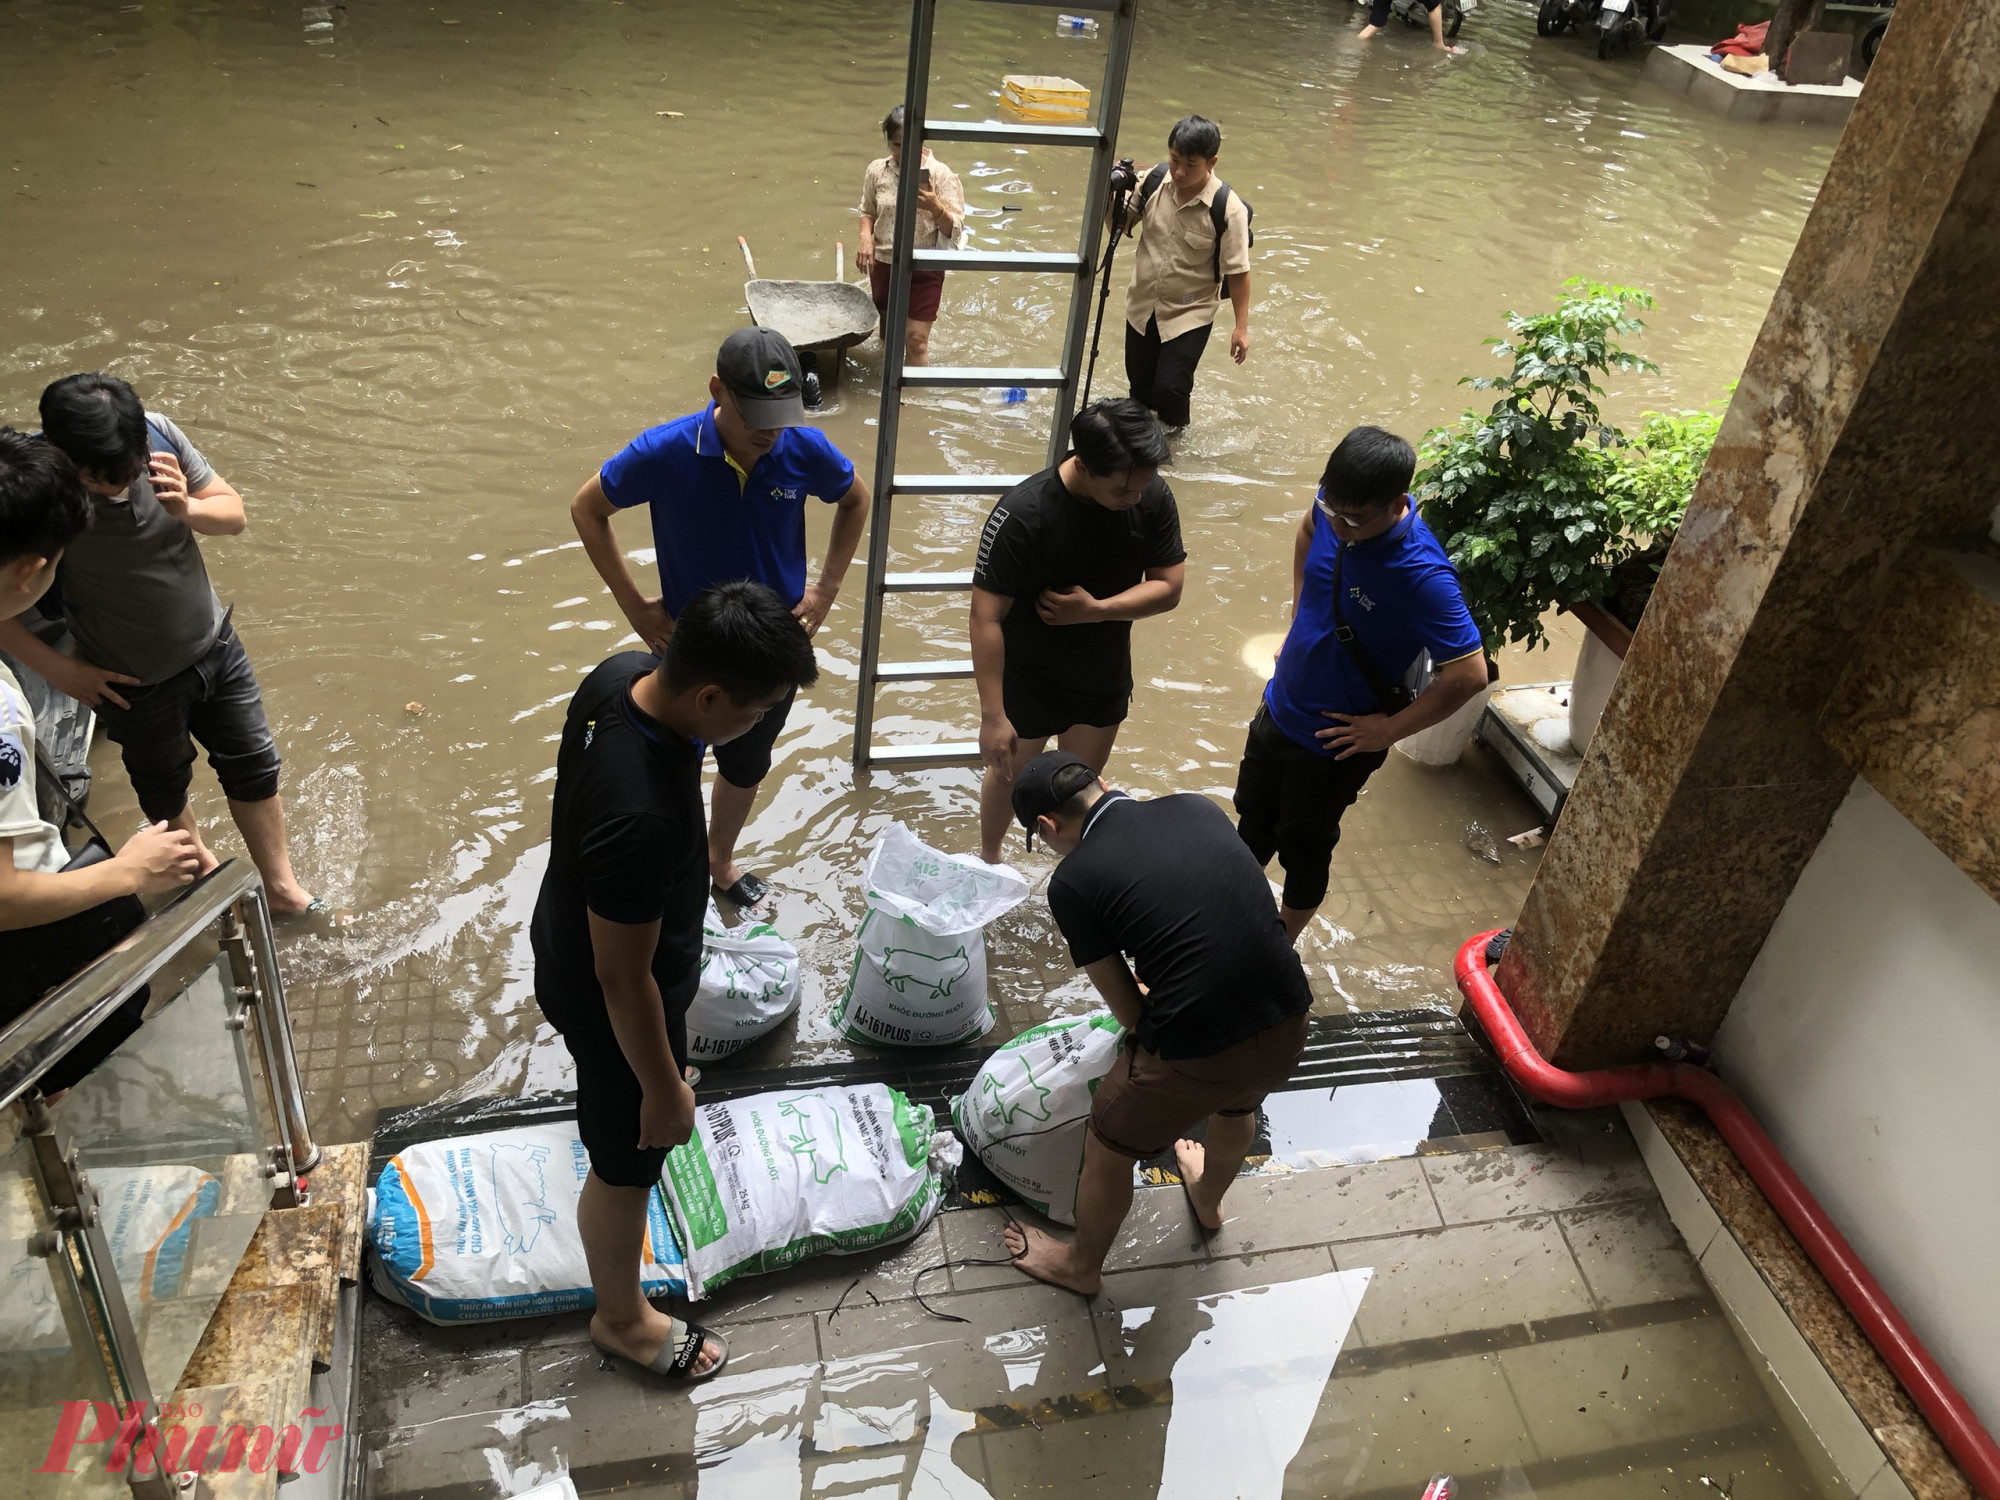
{"x":1793,"y":17}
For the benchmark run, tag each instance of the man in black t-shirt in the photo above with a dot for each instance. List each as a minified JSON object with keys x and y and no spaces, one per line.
{"x":1068,"y":560}
{"x":1220,"y":1023}
{"x":617,"y":927}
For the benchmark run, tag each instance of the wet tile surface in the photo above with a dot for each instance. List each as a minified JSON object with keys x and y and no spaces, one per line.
{"x":1562,"y":1345}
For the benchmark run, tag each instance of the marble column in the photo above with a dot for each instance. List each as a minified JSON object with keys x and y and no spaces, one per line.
{"x":1864,"y":423}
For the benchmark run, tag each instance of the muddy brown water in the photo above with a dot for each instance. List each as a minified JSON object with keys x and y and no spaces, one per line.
{"x":407,"y":273}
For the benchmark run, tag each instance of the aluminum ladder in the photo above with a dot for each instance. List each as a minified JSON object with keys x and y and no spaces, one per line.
{"x":1065,"y":379}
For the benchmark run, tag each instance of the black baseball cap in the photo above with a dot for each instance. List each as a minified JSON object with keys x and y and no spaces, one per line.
{"x":1046,"y":783}
{"x":761,"y":369}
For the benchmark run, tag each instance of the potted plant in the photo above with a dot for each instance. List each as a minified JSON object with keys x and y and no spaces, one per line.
{"x":1646,"y":495}
{"x":1520,"y":497}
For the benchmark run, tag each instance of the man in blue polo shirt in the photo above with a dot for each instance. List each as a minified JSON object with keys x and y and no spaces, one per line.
{"x":727,"y":487}
{"x":1371,"y":592}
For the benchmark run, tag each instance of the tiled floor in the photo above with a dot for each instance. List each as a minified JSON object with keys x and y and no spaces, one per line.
{"x":1524,"y":1318}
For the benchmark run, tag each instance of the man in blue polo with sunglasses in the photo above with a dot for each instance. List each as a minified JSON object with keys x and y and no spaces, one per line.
{"x":1372,"y":591}
{"x":727,"y":490}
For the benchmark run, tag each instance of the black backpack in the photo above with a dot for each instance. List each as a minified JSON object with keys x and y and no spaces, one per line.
{"x":1218,"y":211}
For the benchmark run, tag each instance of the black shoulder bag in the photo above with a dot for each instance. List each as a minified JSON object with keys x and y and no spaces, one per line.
{"x":1391,"y":698}
{"x":34,"y":960}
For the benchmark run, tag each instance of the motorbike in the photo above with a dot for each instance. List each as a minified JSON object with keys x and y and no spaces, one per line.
{"x":1617,"y":22}
{"x":1621,"y":22}
{"x":1414,"y":14}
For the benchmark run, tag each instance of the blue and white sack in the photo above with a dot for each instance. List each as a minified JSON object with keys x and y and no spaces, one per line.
{"x":484,"y":1227}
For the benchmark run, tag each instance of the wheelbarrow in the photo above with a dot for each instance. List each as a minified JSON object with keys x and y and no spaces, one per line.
{"x":815,"y":316}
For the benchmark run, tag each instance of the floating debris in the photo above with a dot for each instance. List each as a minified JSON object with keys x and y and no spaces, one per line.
{"x":413,"y":707}
{"x":1481,"y":842}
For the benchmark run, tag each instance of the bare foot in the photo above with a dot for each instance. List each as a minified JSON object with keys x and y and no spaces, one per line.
{"x":1451,"y":51}
{"x":641,"y":1343}
{"x":1366,"y":32}
{"x":1048,"y":1259}
{"x":1191,"y":1157}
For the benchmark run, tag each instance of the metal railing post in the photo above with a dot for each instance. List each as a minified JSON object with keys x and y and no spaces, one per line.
{"x":78,"y":1238}
{"x":251,"y":918}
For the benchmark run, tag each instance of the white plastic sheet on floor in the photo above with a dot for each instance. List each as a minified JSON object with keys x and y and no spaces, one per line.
{"x":1246,"y":1389}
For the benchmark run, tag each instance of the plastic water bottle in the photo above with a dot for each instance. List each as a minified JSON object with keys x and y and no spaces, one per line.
{"x":1007,"y":395}
{"x":1075,"y":26}
{"x":1441,"y":1487}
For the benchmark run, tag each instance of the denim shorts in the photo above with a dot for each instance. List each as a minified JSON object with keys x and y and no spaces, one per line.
{"x":216,"y":702}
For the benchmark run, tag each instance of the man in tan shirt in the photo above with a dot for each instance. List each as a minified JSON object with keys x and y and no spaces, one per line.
{"x":1179,"y":270}
{"x":940,"y":217}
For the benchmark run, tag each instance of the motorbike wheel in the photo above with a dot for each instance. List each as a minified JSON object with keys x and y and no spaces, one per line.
{"x":1872,"y":43}
{"x":1453,"y":19}
{"x":1549,"y":19}
{"x":1607,"y":44}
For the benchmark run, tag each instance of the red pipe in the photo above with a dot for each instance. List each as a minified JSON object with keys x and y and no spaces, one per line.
{"x":1936,"y":1397}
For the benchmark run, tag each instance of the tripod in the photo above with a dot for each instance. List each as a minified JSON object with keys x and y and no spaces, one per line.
{"x":1104,"y":287}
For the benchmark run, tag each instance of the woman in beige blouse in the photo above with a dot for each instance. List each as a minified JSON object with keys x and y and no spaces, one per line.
{"x":940,"y":218}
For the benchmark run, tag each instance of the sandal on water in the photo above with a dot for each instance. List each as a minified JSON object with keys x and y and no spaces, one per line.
{"x":677,"y":1355}
{"x":748,"y":891}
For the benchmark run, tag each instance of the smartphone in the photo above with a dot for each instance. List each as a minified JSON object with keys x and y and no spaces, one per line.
{"x":923,"y":176}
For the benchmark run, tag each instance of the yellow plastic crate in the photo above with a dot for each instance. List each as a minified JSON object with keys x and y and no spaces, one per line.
{"x":1036,"y":97}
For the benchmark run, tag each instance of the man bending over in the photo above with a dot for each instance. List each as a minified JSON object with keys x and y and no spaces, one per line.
{"x":1220,"y":1024}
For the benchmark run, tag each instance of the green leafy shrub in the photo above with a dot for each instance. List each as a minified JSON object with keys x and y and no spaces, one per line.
{"x":1647,"y":494}
{"x":1518,"y":497}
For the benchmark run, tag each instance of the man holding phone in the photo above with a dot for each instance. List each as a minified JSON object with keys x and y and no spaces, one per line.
{"x":940,"y":218}
{"x":157,"y":655}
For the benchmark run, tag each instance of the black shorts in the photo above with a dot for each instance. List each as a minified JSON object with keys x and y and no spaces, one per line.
{"x":216,"y":702}
{"x":746,"y":760}
{"x":1039,"y":712}
{"x":607,"y":1090}
{"x":1289,"y":802}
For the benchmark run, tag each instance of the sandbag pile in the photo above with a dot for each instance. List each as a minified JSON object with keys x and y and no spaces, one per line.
{"x":1026,"y":1111}
{"x":770,"y":1180}
{"x":919,"y":974}
{"x":484,"y":1227}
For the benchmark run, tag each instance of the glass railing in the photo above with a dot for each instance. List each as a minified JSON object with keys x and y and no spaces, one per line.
{"x":127,"y":1201}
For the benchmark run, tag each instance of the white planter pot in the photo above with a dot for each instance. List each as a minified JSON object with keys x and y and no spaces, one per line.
{"x":1443,"y":743}
{"x":1596,"y":670}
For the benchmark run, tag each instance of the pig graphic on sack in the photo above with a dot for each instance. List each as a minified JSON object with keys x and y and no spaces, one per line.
{"x":934,"y":973}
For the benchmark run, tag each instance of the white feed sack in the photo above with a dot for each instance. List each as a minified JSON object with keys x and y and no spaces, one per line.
{"x":774,"y":1178}
{"x":749,"y":983}
{"x":1025,"y":1112}
{"x":484,"y":1227}
{"x":919,"y":975}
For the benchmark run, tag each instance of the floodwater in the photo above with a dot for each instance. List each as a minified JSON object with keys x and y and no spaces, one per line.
{"x":408,"y":272}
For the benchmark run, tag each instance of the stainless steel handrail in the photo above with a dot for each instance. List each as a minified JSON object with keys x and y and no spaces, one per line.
{"x":275,"y":1024}
{"x":37,"y":1040}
